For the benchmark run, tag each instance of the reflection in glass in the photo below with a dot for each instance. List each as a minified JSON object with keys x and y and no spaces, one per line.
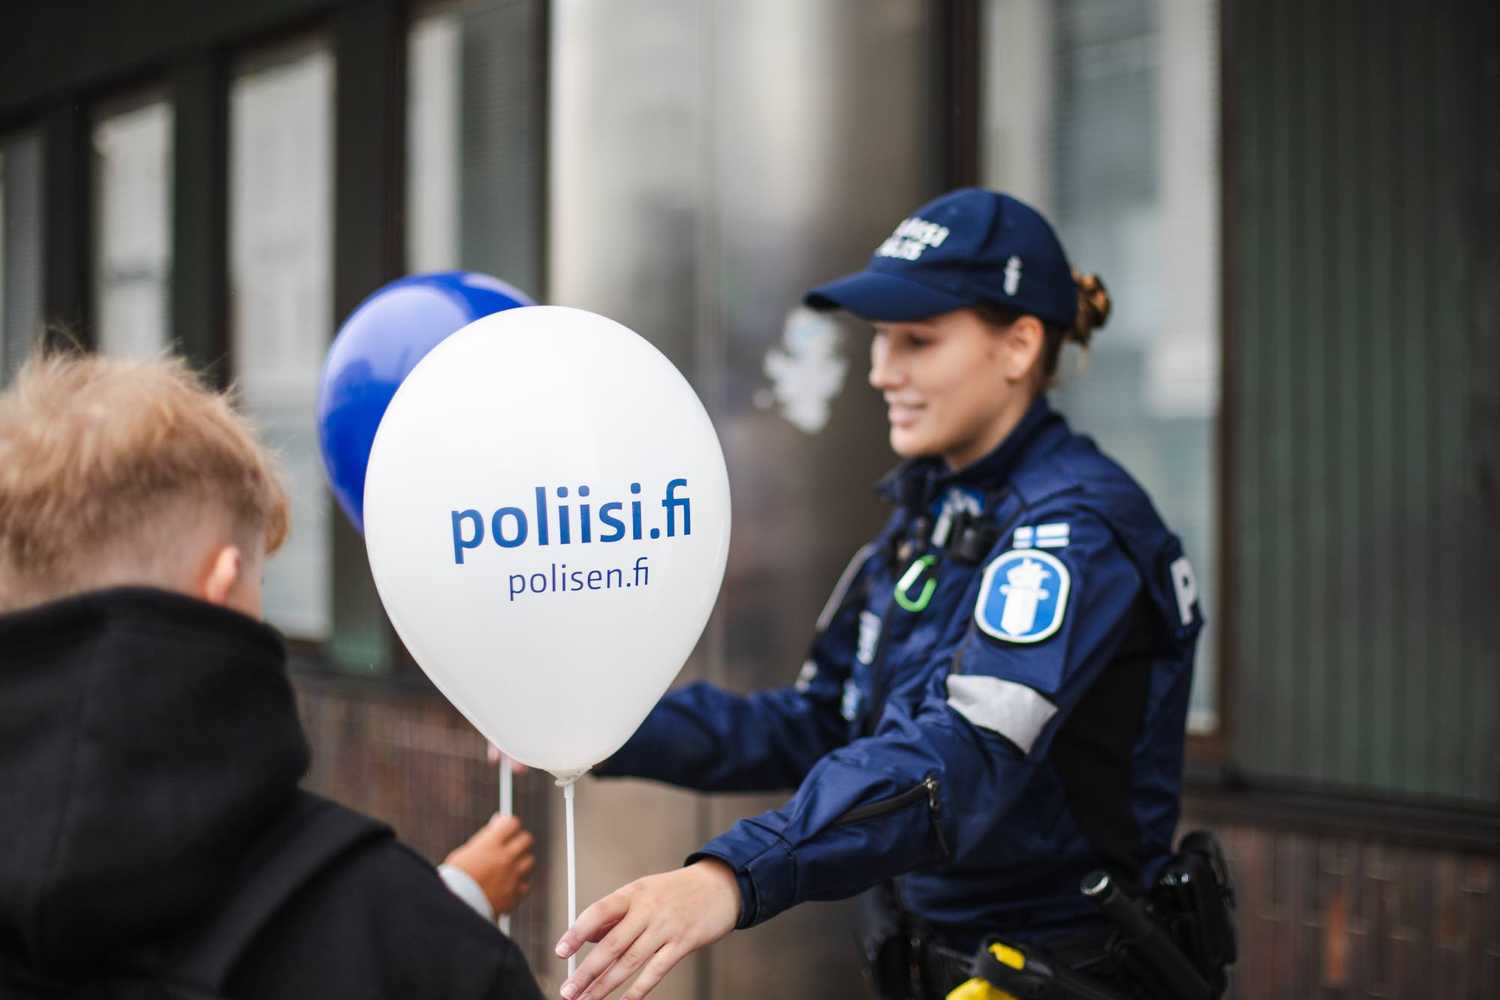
{"x":474,"y":139}
{"x":707,"y":163}
{"x":132,"y":176}
{"x":20,"y":248}
{"x":280,"y":258}
{"x":432,"y":140}
{"x":1103,"y":113}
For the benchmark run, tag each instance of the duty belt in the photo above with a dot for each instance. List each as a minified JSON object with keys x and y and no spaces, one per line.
{"x":1083,"y":959}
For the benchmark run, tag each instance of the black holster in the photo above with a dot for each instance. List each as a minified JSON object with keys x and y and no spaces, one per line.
{"x":1179,"y":936}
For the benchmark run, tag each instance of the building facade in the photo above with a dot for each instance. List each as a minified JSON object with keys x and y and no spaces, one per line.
{"x":1295,"y":207}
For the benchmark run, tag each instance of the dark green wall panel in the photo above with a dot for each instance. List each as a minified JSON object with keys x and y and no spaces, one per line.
{"x":1363,"y":210}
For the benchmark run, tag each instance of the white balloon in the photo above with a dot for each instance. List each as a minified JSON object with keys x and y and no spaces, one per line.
{"x":547,"y":521}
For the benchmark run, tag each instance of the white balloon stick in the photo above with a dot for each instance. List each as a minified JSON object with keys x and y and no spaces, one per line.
{"x":507,"y":808}
{"x":572,"y":873}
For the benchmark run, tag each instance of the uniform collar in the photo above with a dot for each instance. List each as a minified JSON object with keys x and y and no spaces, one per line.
{"x":915,"y":483}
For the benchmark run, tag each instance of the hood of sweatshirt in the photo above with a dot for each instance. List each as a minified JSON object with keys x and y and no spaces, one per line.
{"x":146,"y":739}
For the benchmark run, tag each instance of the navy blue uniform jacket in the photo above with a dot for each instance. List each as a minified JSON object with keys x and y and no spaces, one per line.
{"x":994,"y":703}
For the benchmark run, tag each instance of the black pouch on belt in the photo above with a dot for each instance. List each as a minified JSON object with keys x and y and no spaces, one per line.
{"x":884,"y":943}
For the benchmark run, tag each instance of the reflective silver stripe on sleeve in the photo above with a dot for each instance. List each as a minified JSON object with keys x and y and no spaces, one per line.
{"x":1013,"y":710}
{"x":842,"y":587}
{"x":807,"y":676}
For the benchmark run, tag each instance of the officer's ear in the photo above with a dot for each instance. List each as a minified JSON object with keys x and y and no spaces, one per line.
{"x":1022,"y":343}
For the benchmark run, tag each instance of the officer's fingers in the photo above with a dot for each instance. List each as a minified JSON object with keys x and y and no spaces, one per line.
{"x":604,"y":954}
{"x":593,"y":923}
{"x":645,"y":946}
{"x":662,"y":963}
{"x":525,"y":865}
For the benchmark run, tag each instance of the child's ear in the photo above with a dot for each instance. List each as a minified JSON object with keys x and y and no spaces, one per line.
{"x":221,"y":574}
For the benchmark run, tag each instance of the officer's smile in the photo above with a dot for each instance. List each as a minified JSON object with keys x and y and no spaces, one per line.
{"x":903,"y":414}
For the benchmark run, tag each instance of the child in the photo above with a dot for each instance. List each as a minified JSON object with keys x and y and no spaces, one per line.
{"x":149,"y":744}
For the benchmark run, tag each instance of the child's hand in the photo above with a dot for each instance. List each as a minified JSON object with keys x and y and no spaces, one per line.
{"x":498,"y":857}
{"x":493,"y":756}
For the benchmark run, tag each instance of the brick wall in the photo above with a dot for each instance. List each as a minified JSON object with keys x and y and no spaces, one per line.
{"x":411,"y":760}
{"x":1320,"y":915}
{"x":1345,"y":916}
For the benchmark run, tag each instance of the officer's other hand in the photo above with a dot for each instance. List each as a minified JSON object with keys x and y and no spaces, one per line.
{"x":498,"y":857}
{"x":648,"y":927}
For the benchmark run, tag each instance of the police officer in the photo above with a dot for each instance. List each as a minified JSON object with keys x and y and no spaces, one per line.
{"x":995,"y":699}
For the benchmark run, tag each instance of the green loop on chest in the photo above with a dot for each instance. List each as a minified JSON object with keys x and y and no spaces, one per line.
{"x":909,"y":580}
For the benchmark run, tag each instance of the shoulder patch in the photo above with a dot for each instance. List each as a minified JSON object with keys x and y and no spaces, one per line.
{"x":1042,"y":536}
{"x":1023,"y":596}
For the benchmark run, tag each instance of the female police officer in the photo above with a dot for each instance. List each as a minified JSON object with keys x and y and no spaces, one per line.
{"x":995,"y":699}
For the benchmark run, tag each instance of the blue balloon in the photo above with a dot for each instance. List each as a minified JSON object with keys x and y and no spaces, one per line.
{"x":376,"y":348}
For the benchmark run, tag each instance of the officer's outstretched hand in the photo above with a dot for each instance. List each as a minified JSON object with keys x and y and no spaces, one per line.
{"x":649,"y":926}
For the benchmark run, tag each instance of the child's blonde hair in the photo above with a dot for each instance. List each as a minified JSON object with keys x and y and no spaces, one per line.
{"x":110,"y":469}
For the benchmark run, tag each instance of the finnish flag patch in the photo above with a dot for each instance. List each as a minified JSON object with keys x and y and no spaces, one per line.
{"x":1042,"y":536}
{"x":1023,"y":596}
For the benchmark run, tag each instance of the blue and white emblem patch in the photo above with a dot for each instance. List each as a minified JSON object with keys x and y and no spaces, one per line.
{"x":1023,"y":596}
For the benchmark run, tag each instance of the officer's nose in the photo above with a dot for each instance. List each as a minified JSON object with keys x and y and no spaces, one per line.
{"x":883,"y":374}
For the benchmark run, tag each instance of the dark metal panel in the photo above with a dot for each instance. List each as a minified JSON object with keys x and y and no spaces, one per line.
{"x":200,"y":215}
{"x":1346,"y":336}
{"x":957,"y":43}
{"x":1212,"y":750}
{"x":1281,"y":367}
{"x":1478,"y":474}
{"x":368,"y":115}
{"x":1410,"y":356}
{"x":65,"y":279}
{"x":1450,"y":273}
{"x":1479,"y":483}
{"x":23,"y":238}
{"x":1450,"y":153}
{"x":52,"y":49}
{"x":1243,"y":303}
{"x":1308,"y":338}
{"x":1380,"y":608}
{"x":504,"y":141}
{"x":1362,"y":525}
{"x":1330,"y":341}
{"x":367,"y":123}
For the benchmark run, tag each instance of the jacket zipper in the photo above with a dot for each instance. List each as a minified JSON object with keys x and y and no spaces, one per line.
{"x":928,"y":788}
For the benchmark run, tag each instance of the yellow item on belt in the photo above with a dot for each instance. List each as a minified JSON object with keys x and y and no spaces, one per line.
{"x":980,"y":989}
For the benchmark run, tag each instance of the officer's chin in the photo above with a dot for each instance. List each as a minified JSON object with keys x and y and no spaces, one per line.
{"x":906,"y":443}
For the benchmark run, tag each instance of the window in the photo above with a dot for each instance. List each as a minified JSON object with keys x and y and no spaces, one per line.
{"x":20,"y":248}
{"x":132,"y":183}
{"x":474,"y":139}
{"x":1104,"y":114}
{"x":281,"y":310}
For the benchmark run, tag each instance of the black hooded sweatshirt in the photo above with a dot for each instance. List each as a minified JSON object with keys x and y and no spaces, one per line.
{"x":148,"y":743}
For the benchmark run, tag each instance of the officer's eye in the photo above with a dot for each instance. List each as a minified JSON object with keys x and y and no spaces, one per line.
{"x":905,"y":338}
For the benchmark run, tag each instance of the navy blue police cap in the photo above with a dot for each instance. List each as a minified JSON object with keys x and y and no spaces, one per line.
{"x":967,"y":247}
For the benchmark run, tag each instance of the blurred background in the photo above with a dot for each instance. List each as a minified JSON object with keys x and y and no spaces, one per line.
{"x":1296,"y":207}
